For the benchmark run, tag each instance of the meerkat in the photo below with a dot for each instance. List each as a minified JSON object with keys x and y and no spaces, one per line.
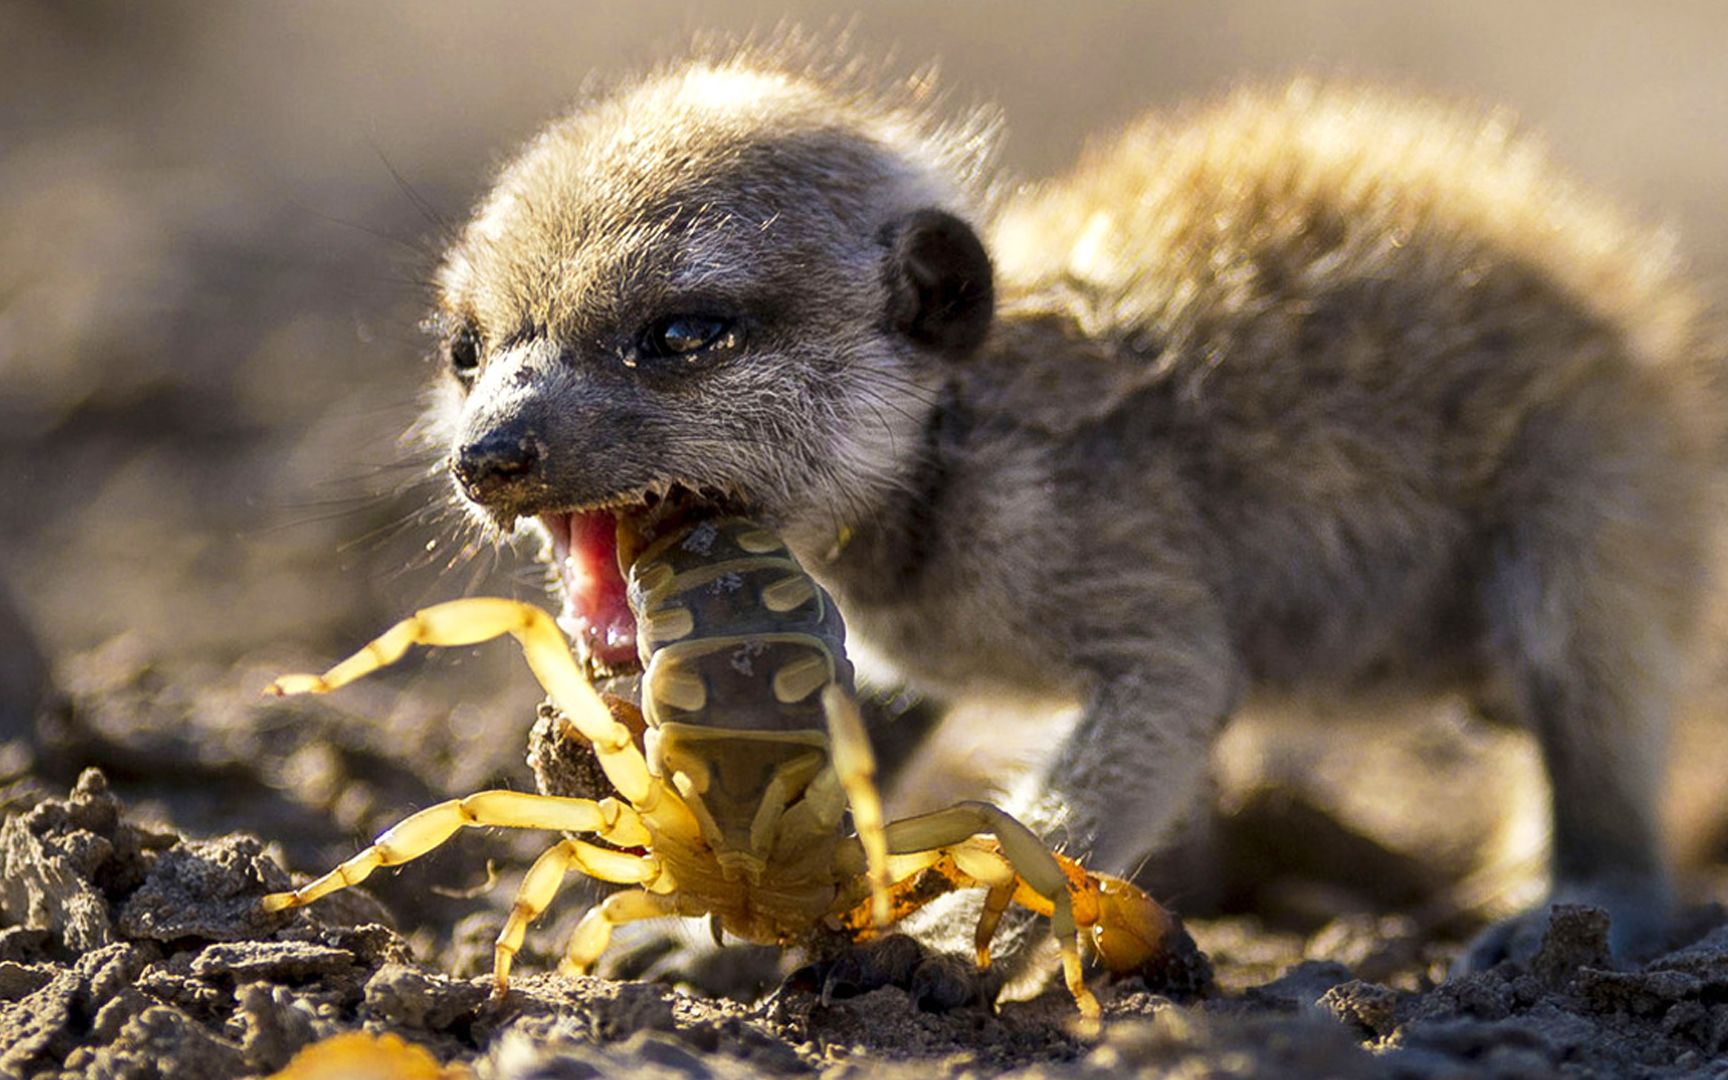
{"x":1310,"y":391}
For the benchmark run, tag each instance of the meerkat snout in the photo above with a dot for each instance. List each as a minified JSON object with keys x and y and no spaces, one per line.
{"x":498,"y":467}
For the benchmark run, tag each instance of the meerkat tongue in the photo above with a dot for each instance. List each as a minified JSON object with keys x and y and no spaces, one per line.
{"x":596,"y":615}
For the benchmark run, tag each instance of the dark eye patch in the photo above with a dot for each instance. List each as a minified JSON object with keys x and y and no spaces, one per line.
{"x":688,"y":337}
{"x":464,"y":349}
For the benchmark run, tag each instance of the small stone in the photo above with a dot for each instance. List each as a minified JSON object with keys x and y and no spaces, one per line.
{"x":273,"y":1026}
{"x":1577,"y":937}
{"x":24,"y":945}
{"x":1304,"y":984}
{"x":19,"y":980}
{"x":412,"y":998}
{"x":658,"y":1049}
{"x":271,"y":961}
{"x":116,"y":1012}
{"x":1368,"y":1006}
{"x":44,"y":879}
{"x":164,"y":1041}
{"x":35,"y":1025}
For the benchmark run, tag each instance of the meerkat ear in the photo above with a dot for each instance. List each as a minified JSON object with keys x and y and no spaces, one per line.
{"x":939,"y":283}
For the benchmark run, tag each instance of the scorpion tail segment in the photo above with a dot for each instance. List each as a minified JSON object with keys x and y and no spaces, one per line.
{"x":855,"y":765}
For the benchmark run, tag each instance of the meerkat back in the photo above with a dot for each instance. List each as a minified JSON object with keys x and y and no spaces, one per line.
{"x":1446,"y":422}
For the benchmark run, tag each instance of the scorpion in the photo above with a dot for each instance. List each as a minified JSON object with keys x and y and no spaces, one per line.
{"x":733,"y":801}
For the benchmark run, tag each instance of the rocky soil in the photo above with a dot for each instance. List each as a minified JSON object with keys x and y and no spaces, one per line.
{"x":133,"y":947}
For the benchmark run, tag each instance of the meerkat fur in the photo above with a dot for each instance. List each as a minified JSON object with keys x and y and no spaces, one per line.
{"x":1310,"y":390}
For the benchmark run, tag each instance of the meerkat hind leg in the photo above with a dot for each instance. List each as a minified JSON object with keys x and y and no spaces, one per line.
{"x":1589,"y":604}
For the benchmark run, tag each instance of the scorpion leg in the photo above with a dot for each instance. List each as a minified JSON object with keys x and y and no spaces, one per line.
{"x":1130,"y":933}
{"x":963,"y":866}
{"x":855,"y":766}
{"x":1026,"y":855}
{"x":468,"y":622}
{"x":541,"y":884}
{"x":419,"y":833}
{"x":996,"y":903}
{"x":594,"y":932}
{"x":973,"y":865}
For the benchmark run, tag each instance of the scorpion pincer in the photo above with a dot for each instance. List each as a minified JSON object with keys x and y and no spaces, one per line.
{"x":733,"y":803}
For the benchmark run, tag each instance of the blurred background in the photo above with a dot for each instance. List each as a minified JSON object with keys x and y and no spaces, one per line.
{"x":215,"y":223}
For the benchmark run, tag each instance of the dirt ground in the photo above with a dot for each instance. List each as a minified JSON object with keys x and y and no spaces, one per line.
{"x":215,"y":226}
{"x":134,"y":947}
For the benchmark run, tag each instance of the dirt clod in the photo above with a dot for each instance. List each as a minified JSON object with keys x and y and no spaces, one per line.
{"x":1576,"y":938}
{"x":205,"y":889}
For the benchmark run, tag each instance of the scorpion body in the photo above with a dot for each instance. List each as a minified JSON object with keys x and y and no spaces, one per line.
{"x":731,"y":800}
{"x":722,"y":609}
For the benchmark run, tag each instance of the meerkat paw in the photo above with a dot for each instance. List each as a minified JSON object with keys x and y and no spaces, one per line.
{"x":1638,"y":917}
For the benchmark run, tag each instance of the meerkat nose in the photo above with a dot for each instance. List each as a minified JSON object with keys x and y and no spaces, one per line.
{"x":497,"y":466}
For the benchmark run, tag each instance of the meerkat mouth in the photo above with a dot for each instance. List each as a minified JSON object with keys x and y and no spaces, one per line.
{"x":592,"y":549}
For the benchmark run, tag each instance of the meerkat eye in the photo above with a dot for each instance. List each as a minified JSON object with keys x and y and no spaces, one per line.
{"x":688,"y":336}
{"x":464,"y":352}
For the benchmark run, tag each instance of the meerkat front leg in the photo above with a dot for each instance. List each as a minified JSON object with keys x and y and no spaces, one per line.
{"x":1130,"y":770}
{"x":1136,"y":762}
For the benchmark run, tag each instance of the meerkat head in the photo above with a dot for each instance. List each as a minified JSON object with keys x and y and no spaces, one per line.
{"x":725,"y":286}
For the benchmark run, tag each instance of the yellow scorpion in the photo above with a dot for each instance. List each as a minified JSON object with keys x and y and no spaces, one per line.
{"x":731,"y":807}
